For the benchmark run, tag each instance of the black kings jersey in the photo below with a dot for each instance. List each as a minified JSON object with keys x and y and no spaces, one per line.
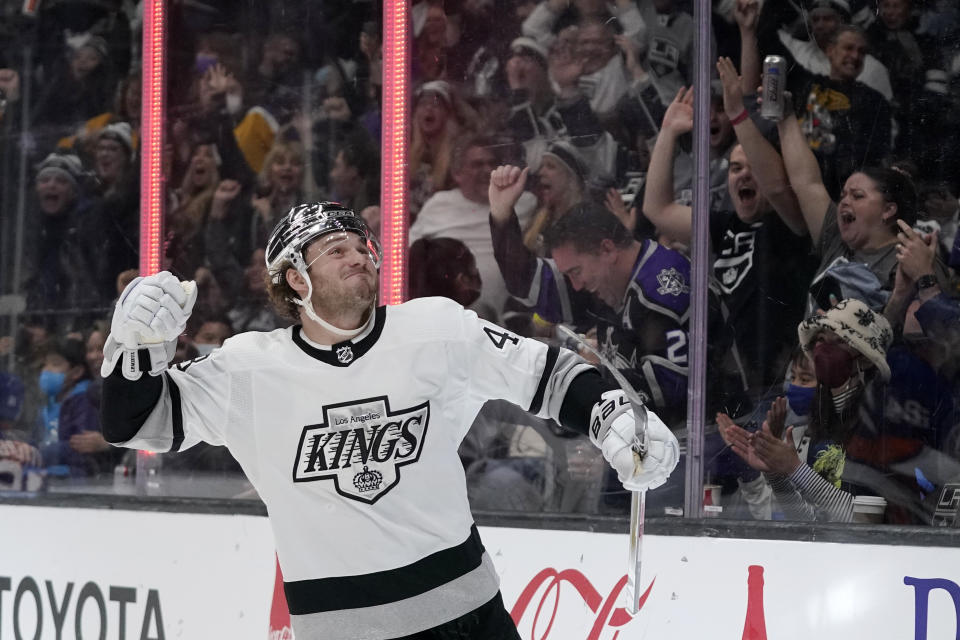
{"x":354,"y":451}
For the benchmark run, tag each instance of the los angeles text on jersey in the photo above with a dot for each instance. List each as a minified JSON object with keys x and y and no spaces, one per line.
{"x":360,"y":446}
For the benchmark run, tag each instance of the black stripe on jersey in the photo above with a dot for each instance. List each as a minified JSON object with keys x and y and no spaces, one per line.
{"x":552,"y":354}
{"x":358,"y":348}
{"x":384,"y":587}
{"x":177,"y":413}
{"x":584,"y":392}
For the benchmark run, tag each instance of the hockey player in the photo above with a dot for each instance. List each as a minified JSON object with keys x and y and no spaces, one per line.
{"x":348,"y":425}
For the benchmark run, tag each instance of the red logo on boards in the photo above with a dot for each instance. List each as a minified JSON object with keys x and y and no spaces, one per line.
{"x":549,"y":584}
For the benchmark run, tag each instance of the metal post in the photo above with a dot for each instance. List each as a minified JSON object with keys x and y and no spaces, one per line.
{"x":152,"y":183}
{"x":393,"y":180}
{"x":699,"y":268}
{"x":26,"y":81}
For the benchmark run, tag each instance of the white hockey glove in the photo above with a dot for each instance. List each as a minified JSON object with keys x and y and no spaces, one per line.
{"x":150,"y":314}
{"x":614,"y":428}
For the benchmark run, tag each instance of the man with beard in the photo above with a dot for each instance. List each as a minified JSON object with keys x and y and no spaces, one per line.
{"x":367,"y":405}
{"x":761,"y":258}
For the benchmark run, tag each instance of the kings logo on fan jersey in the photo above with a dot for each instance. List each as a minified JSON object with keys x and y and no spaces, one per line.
{"x":360,"y":447}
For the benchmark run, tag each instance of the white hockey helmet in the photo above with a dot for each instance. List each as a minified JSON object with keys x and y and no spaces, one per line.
{"x":307,"y":222}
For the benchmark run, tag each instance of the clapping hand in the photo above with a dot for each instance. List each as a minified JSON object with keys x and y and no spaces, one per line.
{"x":763,"y":450}
{"x":777,"y":454}
{"x":738,"y":439}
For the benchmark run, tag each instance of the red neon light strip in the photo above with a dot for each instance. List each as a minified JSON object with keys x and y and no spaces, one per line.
{"x":394,"y":185}
{"x":151,"y":136}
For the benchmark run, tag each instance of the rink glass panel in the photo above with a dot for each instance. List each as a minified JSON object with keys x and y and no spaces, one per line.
{"x":322,"y":97}
{"x":256,"y":113}
{"x":901,"y":442}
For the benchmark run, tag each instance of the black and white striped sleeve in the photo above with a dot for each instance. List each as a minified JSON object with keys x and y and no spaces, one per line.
{"x":805,"y":495}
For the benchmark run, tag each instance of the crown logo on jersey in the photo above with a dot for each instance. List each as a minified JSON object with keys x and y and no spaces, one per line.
{"x":345,"y":354}
{"x":671,"y":282}
{"x":368,"y":480}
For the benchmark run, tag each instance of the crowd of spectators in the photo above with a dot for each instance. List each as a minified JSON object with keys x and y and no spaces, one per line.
{"x":550,"y":182}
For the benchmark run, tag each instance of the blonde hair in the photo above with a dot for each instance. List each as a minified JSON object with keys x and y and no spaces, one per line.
{"x":439,"y":155}
{"x":294,"y":150}
{"x":191,"y":212}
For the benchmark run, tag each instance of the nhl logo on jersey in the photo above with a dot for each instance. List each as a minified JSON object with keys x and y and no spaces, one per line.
{"x":731,"y":271}
{"x":360,"y":447}
{"x":345,"y":354}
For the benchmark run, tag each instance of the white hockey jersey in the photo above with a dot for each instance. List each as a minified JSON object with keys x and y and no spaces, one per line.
{"x":354,"y":451}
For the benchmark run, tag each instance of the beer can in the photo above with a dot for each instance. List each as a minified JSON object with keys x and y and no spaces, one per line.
{"x":774,"y":77}
{"x":30,"y":8}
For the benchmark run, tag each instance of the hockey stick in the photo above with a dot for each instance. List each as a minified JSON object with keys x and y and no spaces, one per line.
{"x":638,"y":499}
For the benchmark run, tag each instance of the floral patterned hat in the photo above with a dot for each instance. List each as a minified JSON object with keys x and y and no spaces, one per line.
{"x":863,"y":329}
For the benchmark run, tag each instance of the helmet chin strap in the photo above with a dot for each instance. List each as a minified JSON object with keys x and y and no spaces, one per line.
{"x":307,"y":306}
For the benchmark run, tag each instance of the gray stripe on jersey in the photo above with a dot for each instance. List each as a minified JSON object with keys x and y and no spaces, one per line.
{"x":407,"y":616}
{"x":568,"y":366}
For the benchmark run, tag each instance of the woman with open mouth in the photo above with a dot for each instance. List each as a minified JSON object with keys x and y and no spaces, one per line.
{"x":862,"y":226}
{"x":439,"y":116}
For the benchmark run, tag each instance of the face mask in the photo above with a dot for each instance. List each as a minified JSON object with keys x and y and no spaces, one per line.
{"x":832,"y":364}
{"x":51,"y":382}
{"x":205,"y":349}
{"x":799,"y":398}
{"x":234,"y":103}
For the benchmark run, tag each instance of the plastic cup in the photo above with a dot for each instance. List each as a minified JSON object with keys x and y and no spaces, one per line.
{"x":868,"y":509}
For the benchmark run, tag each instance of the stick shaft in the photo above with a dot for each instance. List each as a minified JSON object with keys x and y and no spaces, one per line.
{"x":638,"y":498}
{"x":637,"y":507}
